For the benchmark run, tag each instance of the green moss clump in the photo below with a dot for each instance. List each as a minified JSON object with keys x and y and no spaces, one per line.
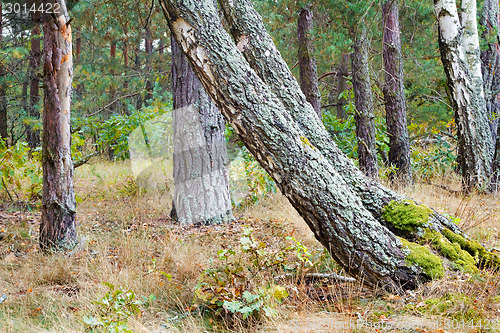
{"x":480,"y":254}
{"x":422,"y":257}
{"x":405,"y":215}
{"x":453,"y":251}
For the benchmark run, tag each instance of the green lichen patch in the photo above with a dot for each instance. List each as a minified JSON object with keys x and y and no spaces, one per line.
{"x":421,"y":256}
{"x":406,"y":216}
{"x":459,"y":258}
{"x":482,"y":257}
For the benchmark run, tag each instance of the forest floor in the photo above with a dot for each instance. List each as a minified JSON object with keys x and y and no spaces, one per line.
{"x":131,"y":244}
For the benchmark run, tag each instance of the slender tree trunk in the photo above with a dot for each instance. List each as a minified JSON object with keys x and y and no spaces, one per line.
{"x":490,"y":61}
{"x":342,"y":73}
{"x":148,"y":44}
{"x":57,"y":229}
{"x":34,"y":64}
{"x":200,"y":158}
{"x":78,"y":44}
{"x":365,"y":124}
{"x":459,"y":47}
{"x":395,"y":102}
{"x":307,"y":62}
{"x":137,"y":67}
{"x":3,"y":97}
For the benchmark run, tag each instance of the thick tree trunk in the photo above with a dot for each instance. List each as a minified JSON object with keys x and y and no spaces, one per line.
{"x":490,"y":61}
{"x":57,"y":229}
{"x":365,"y":123}
{"x":33,"y":135}
{"x":395,"y":102}
{"x":200,"y":158}
{"x":3,"y":97}
{"x":307,"y":62}
{"x":459,"y":47}
{"x":344,"y":212}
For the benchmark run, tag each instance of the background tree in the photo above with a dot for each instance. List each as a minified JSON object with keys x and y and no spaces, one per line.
{"x":3,"y":99}
{"x":394,"y":95}
{"x":57,"y":228}
{"x":201,"y":180}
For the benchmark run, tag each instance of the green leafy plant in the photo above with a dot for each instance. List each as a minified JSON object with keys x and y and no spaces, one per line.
{"x":114,"y":310}
{"x":20,"y":175}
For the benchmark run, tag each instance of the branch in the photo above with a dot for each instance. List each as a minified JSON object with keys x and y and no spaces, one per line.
{"x":113,"y":102}
{"x":83,"y":160}
{"x":326,"y":74}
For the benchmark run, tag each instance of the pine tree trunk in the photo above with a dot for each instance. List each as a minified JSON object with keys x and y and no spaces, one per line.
{"x":267,"y":109}
{"x":307,"y":62}
{"x":3,"y":97}
{"x":342,"y":73}
{"x":33,"y":135}
{"x":148,"y":45}
{"x":395,"y":102}
{"x":459,"y":47}
{"x":365,"y":123}
{"x":201,"y":179}
{"x":490,"y":66}
{"x":57,"y":229}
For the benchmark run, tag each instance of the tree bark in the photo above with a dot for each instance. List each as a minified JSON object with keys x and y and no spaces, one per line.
{"x":3,"y":98}
{"x":395,"y":102}
{"x":33,"y":135}
{"x":148,"y":45}
{"x":345,"y":212}
{"x":57,"y":229}
{"x":307,"y":62}
{"x":340,"y":78}
{"x":365,"y":123}
{"x":201,"y":195}
{"x":459,"y":47}
{"x":490,"y":66}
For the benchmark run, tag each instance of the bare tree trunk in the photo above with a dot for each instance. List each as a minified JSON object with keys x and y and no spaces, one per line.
{"x":307,"y":62}
{"x":365,"y":124}
{"x":3,"y":97}
{"x":395,"y":102}
{"x":200,"y":158}
{"x":490,"y":61}
{"x":57,"y":229}
{"x":459,"y":47}
{"x":34,"y":64}
{"x":148,"y":45}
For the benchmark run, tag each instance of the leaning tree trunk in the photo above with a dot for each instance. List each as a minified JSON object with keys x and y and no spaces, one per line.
{"x":459,"y":47}
{"x":3,"y":97}
{"x":345,"y":211}
{"x":34,"y":64}
{"x":365,"y":123}
{"x":490,"y":61}
{"x":201,"y":194}
{"x":307,"y":62}
{"x":395,"y":102}
{"x":57,"y":229}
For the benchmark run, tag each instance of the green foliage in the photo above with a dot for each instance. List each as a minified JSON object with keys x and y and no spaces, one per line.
{"x":435,"y":161}
{"x":114,"y":310}
{"x":20,"y":176}
{"x":243,"y":283}
{"x":405,"y":215}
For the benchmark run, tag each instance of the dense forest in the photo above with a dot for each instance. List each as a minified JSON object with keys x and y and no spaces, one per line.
{"x":247,"y":165}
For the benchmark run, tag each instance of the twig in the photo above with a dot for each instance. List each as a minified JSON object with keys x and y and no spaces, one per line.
{"x":319,"y":276}
{"x":7,"y":190}
{"x":83,"y":160}
{"x":326,"y":74}
{"x":113,"y":102}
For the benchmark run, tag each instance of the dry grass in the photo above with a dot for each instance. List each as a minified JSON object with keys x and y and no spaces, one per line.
{"x":126,"y":229}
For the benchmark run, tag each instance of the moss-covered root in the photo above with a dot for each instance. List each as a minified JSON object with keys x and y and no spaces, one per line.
{"x":406,"y":218}
{"x":422,"y":257}
{"x":483,"y":258}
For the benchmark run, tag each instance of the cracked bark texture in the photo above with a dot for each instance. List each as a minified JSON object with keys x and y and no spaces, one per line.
{"x":459,"y":48}
{"x":490,"y":66}
{"x":395,"y":102}
{"x":57,"y":228}
{"x":336,"y":215}
{"x":260,"y":52}
{"x":365,"y":120}
{"x":201,"y":194}
{"x":307,"y":62}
